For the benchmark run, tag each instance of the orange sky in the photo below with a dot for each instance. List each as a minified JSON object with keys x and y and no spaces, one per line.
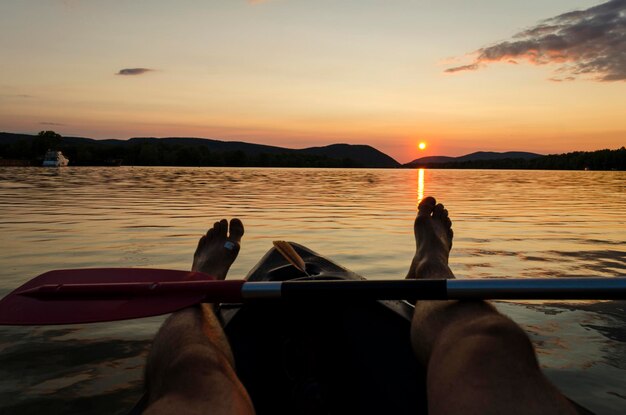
{"x":297,"y":74}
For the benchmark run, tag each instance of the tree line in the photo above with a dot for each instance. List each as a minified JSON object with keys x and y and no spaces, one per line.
{"x":93,"y":153}
{"x":578,"y":160}
{"x":157,"y":154}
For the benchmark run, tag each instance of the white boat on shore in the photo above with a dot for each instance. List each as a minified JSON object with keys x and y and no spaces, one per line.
{"x":55,"y":159}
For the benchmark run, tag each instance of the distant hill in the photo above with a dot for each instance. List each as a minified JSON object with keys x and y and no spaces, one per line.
{"x":367,"y":155}
{"x":26,"y":149}
{"x":577,"y":160}
{"x":491,"y":155}
{"x":431,"y":160}
{"x":195,"y":152}
{"x":218,"y":146}
{"x":477,"y":156}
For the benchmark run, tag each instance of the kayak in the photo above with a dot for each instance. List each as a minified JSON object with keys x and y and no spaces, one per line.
{"x":328,"y":357}
{"x":322,"y":358}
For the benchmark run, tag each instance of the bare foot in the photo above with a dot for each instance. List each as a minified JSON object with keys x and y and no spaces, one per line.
{"x":218,"y":249}
{"x":433,"y":238}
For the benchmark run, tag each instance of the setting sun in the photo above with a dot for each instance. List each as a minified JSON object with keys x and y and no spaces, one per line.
{"x":421,"y":145}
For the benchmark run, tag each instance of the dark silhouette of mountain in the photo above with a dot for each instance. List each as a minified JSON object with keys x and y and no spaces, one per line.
{"x":212,"y":145}
{"x":365,"y":154}
{"x":430,"y":160}
{"x":577,"y":160}
{"x":25,"y":149}
{"x":491,"y":155}
{"x":198,"y":151}
{"x":11,"y":138}
{"x":477,"y":156}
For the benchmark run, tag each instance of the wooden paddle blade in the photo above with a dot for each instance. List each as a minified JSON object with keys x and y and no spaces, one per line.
{"x":290,"y":254}
{"x":18,"y":309}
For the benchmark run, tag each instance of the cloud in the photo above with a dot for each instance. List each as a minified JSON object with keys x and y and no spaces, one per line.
{"x":21,"y":96}
{"x":567,"y":78}
{"x":470,"y":67}
{"x":51,"y":123}
{"x":589,"y":42}
{"x":134,"y":71}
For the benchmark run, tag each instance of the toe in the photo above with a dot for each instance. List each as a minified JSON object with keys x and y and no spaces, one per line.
{"x":216,"y":228}
{"x":426,"y":206}
{"x":201,"y":243}
{"x":223,"y":228}
{"x":210,"y":234}
{"x":236,"y":230}
{"x":438,"y":211}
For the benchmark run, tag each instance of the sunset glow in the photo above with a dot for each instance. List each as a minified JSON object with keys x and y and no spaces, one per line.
{"x":421,"y":146}
{"x":375,"y":73}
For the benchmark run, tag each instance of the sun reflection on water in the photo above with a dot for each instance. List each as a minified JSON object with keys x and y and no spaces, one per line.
{"x":420,"y":185}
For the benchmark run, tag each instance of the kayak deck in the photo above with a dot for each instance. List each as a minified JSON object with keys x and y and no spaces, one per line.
{"x":321,"y":358}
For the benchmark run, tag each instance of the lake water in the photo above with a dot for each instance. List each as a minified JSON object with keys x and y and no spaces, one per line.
{"x":507,"y":224}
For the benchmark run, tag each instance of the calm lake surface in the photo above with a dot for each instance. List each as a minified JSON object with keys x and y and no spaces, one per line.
{"x":506,"y":223}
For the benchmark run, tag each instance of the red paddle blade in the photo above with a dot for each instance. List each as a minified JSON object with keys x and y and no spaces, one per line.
{"x":16,"y":309}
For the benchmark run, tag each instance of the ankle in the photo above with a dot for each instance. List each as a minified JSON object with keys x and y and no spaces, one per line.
{"x":432,"y":268}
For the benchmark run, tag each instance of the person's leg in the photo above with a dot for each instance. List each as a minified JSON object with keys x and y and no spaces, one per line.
{"x":190,"y":369}
{"x":478,"y":361}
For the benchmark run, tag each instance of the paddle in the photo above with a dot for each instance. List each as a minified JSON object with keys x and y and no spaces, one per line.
{"x":108,"y":294}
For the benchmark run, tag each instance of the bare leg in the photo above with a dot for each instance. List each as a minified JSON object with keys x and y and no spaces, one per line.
{"x":478,"y":361}
{"x":190,"y":369}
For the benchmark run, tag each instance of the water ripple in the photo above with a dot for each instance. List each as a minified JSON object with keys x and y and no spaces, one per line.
{"x":507,"y":224}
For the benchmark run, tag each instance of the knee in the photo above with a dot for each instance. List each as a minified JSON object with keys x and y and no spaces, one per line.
{"x":198,"y":379}
{"x":498,"y":327}
{"x":183,"y":372}
{"x":491,"y":337}
{"x":198,"y":359}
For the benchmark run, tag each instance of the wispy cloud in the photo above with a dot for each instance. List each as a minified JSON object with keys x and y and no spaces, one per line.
{"x":70,"y":4}
{"x":51,"y":123}
{"x":584,"y":42}
{"x":134,"y":71}
{"x":258,"y":1}
{"x":21,"y":96}
{"x":470,"y":67}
